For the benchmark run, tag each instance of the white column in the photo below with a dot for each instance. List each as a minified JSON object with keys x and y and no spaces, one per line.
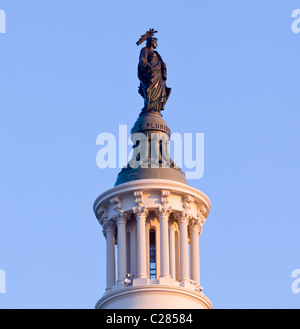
{"x":141,"y":214}
{"x":184,"y":251}
{"x":110,"y":254}
{"x":177,"y":256}
{"x":122,"y":260}
{"x":194,"y":254}
{"x":172,"y":253}
{"x":164,"y":213}
{"x":132,"y":251}
{"x":157,"y":248}
{"x":148,"y":249}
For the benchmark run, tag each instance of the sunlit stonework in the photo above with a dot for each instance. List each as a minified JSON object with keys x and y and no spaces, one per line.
{"x":152,"y":219}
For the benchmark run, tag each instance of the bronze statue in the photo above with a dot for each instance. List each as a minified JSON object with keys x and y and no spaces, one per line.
{"x":152,"y":73}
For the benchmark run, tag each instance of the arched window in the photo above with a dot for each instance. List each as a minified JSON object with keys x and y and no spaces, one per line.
{"x":152,"y":254}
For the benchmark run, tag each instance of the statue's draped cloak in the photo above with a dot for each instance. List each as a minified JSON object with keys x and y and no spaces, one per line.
{"x":152,"y":74}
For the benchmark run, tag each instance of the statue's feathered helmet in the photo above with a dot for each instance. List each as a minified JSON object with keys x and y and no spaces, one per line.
{"x":147,"y":36}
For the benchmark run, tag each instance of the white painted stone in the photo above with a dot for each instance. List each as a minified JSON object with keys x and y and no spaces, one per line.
{"x":177,"y":213}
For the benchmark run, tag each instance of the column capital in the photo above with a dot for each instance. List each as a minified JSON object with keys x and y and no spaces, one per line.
{"x":140,"y":211}
{"x":182,"y":217}
{"x":163,"y":210}
{"x":120,"y":217}
{"x":108,"y":225}
{"x":103,"y":219}
{"x":194,"y":224}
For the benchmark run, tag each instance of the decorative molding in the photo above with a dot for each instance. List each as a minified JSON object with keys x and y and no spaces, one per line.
{"x":120,"y":217}
{"x":203,"y":211}
{"x":164,"y":196}
{"x":139,"y":198}
{"x":140,"y":210}
{"x":116,"y":202}
{"x":185,"y":214}
{"x":163,"y":209}
{"x":188,"y":294}
{"x":151,"y":185}
{"x":102,"y":215}
{"x":187,"y":200}
{"x":201,"y":216}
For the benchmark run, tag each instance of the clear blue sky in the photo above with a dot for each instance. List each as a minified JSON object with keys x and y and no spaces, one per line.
{"x":68,"y":73}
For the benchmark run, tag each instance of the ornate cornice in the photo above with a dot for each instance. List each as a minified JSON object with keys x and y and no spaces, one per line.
{"x":164,"y":196}
{"x":187,"y":200}
{"x":185,"y":214}
{"x":163,"y":209}
{"x":151,"y":185}
{"x":139,"y":198}
{"x":201,"y":216}
{"x":120,"y":217}
{"x":140,"y":210}
{"x":116,"y":202}
{"x":101,"y":215}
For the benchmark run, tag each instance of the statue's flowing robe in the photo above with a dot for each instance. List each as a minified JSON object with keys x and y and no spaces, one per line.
{"x":152,"y":73}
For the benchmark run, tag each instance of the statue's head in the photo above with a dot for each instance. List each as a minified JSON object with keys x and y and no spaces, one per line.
{"x":151,"y":42}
